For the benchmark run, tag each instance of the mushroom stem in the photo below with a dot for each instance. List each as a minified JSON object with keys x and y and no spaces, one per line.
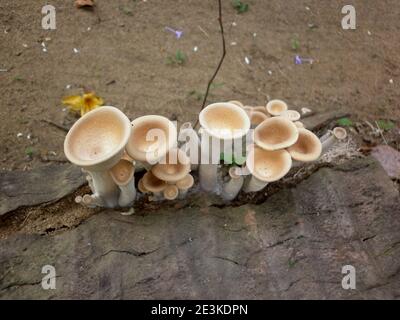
{"x":104,"y":188}
{"x":127,"y":194}
{"x":232,"y":188}
{"x":208,"y":176}
{"x":253,"y":184}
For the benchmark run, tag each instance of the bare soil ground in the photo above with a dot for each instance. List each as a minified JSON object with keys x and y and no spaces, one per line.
{"x":123,"y":51}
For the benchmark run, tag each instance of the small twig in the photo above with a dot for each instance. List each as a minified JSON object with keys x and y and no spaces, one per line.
{"x":220,"y":62}
{"x":58,"y":126}
{"x":202,"y":30}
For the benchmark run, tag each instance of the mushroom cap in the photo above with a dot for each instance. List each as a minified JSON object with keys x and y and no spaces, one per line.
{"x":234,"y":172}
{"x":276,"y":133}
{"x":141,"y":187}
{"x":122,"y":172}
{"x":224,"y":121}
{"x":292,"y":115}
{"x":141,"y":145}
{"x":257,"y":117}
{"x":299,"y":124}
{"x":175,"y":167}
{"x":268,"y":166}
{"x":340,"y":133}
{"x":97,"y":140}
{"x":276,"y":107}
{"x":152,"y":184}
{"x":307,"y":148}
{"x":238,"y":103}
{"x":186,"y":183}
{"x":171,"y":192}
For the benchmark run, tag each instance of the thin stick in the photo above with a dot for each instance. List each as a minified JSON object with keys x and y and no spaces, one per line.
{"x":58,"y":126}
{"x":202,"y":30}
{"x":381,"y":132}
{"x":220,"y":62}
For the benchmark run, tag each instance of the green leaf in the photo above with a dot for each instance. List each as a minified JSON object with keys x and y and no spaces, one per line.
{"x":239,"y":160}
{"x":345,"y":122}
{"x":240,"y":6}
{"x":385,"y":125}
{"x":226,"y":158}
{"x":295,"y":44}
{"x":29,"y":151}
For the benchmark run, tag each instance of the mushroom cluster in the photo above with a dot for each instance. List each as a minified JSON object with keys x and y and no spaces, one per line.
{"x":109,"y":147}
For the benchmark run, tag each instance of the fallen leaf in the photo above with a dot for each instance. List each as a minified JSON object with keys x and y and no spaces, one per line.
{"x":84,"y":3}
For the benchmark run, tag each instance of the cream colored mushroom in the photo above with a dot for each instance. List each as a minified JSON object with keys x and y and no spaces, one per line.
{"x":329,"y":139}
{"x":152,"y":184}
{"x":307,"y":148}
{"x":276,"y":107}
{"x":96,"y":142}
{"x":276,"y":133}
{"x":299,"y":124}
{"x":123,"y":175}
{"x":224,"y":123}
{"x":292,"y":115}
{"x":151,"y":138}
{"x":265,"y":167}
{"x":232,"y":188}
{"x":184,"y":185}
{"x":173,"y":168}
{"x":171,"y":192}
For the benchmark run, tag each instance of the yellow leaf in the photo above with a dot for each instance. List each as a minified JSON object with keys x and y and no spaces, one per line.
{"x":74,"y":102}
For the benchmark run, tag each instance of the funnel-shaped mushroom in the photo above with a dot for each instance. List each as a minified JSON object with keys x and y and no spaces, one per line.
{"x":232,"y":188}
{"x":276,"y":107}
{"x":184,"y":185}
{"x":152,"y":184}
{"x":141,"y":187}
{"x":292,"y":115}
{"x":265,"y":167}
{"x":257,"y":117}
{"x":307,"y":147}
{"x":224,"y":123}
{"x":238,"y":103}
{"x":123,"y":175}
{"x":276,"y":133}
{"x":171,"y":192}
{"x":329,"y":139}
{"x":175,"y":167}
{"x":151,"y":138}
{"x":96,"y":142}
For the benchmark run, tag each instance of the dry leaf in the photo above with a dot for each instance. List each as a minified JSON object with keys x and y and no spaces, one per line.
{"x":84,"y":3}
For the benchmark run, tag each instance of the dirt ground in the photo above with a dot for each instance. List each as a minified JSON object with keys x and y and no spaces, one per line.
{"x":123,"y":49}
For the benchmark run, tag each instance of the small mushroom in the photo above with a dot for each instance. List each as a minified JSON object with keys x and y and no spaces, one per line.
{"x":276,"y":133}
{"x":238,"y":103}
{"x":152,"y":184}
{"x":232,"y":188}
{"x":171,"y":192}
{"x":184,"y":185}
{"x":276,"y":107}
{"x":265,"y":167}
{"x":175,"y":167}
{"x":123,"y":175}
{"x":329,"y":139}
{"x":299,"y":124}
{"x":307,"y":147}
{"x":141,"y":187}
{"x":292,"y":115}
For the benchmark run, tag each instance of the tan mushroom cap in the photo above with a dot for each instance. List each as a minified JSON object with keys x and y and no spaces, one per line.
{"x":292,"y":115}
{"x":234,"y":172}
{"x":152,"y":184}
{"x":238,"y":103}
{"x":257,"y":117}
{"x":268,"y":166}
{"x":97,"y":140}
{"x":340,"y":133}
{"x":186,"y":183}
{"x":299,"y":124}
{"x":171,"y":192}
{"x":175,"y":167}
{"x":141,"y":187}
{"x":276,"y":107}
{"x":122,"y":172}
{"x":140,"y":147}
{"x":224,"y":121}
{"x":276,"y":133}
{"x":307,"y":148}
